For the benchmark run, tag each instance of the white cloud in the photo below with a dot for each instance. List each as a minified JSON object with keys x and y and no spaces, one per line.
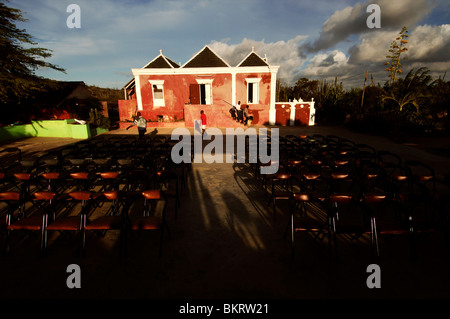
{"x":372,"y":48}
{"x":352,"y":20}
{"x":281,"y":53}
{"x":367,"y":52}
{"x":426,"y":43}
{"x":335,"y":40}
{"x":428,"y":46}
{"x":430,"y":43}
{"x":78,"y":46}
{"x":327,"y":65}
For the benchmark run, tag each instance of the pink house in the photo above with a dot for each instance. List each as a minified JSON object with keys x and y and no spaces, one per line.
{"x":164,"y":91}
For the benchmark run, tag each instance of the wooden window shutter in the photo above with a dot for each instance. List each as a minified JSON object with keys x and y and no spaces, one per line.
{"x":194,"y":93}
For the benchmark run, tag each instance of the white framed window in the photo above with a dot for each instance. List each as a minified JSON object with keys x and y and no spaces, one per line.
{"x":205,"y":91}
{"x":158,"y":92}
{"x":253,"y":90}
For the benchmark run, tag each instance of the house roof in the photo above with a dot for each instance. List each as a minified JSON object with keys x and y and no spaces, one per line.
{"x":253,"y":59}
{"x":130,"y":84}
{"x":56,"y":92}
{"x":206,"y":58}
{"x":61,"y":90}
{"x":72,"y":90}
{"x":161,"y":62}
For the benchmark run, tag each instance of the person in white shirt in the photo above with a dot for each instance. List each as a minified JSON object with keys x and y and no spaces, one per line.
{"x":239,"y":113}
{"x":141,"y":125}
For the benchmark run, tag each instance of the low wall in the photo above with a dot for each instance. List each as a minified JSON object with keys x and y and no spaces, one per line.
{"x":128,"y":109}
{"x":155,"y":124}
{"x":219,"y":116}
{"x":295,"y":113}
{"x":51,"y":128}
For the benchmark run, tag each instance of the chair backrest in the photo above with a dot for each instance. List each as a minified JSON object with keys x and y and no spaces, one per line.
{"x":80,"y":175}
{"x":109,"y":175}
{"x":81,"y":195}
{"x":111,"y":195}
{"x":341,"y":198}
{"x":8,"y":196}
{"x":152,"y":194}
{"x":44,"y":195}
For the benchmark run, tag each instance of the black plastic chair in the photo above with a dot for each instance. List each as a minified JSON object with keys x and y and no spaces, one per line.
{"x":302,"y":220}
{"x":145,"y":217}
{"x":35,"y":219}
{"x":72,"y":212}
{"x":347,"y":218}
{"x":392,"y":219}
{"x":281,"y":185}
{"x":111,"y":218}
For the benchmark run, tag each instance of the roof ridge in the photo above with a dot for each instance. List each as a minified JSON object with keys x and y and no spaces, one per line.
{"x":171,"y":64}
{"x":206,"y":47}
{"x":264,"y":61}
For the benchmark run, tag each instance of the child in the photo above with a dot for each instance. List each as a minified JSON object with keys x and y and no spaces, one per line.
{"x":141,"y":125}
{"x":203,"y":118}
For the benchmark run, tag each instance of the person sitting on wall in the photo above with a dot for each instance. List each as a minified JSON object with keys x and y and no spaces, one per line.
{"x":246,"y":115}
{"x":141,"y":124}
{"x":233,"y":112}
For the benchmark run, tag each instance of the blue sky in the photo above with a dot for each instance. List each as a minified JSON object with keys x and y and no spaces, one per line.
{"x":317,"y":39}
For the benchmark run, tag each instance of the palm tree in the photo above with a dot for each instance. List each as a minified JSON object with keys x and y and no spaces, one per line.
{"x":411,"y":90}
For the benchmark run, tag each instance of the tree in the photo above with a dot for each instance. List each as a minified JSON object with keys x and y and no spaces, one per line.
{"x":440,"y":104}
{"x":305,"y":89}
{"x":395,"y":51}
{"x":98,"y":120}
{"x":330,"y":102}
{"x":407,"y":101}
{"x":281,"y":91}
{"x":19,"y":59}
{"x":411,"y":90}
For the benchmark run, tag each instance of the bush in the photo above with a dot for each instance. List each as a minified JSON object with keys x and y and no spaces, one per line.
{"x":98,"y":120}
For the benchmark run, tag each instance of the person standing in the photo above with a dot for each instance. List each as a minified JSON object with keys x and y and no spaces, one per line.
{"x":239,"y":112}
{"x":203,"y":118}
{"x":141,"y":124}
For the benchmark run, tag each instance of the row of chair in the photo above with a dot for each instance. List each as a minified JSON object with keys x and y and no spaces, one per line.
{"x":333,"y":186}
{"x":103,"y":184}
{"x":337,"y":187}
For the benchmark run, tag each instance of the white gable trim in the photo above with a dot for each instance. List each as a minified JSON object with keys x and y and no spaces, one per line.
{"x":207,"y":71}
{"x":249,"y":55}
{"x":159,"y":55}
